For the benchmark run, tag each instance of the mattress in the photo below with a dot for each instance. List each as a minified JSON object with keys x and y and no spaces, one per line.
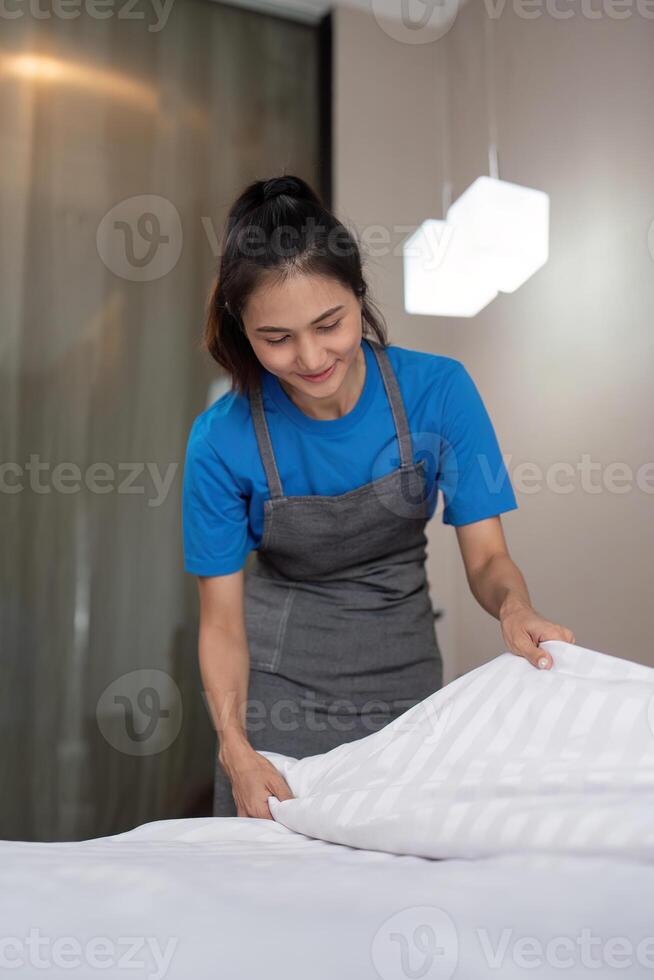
{"x":239,"y":898}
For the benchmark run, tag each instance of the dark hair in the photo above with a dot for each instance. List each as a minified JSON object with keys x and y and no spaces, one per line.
{"x":319,"y":244}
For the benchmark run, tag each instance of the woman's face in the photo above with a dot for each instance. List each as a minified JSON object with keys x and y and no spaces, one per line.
{"x":307,"y":325}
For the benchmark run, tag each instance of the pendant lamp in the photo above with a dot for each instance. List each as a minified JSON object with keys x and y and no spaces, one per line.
{"x":443,"y":274}
{"x":494,"y":237}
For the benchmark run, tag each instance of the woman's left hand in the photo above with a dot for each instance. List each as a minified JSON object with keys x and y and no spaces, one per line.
{"x":523,"y":629}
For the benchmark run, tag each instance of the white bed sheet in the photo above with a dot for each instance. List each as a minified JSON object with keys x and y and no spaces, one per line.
{"x":239,"y":899}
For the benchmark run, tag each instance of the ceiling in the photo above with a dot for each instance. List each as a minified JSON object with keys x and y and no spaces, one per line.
{"x":305,"y":11}
{"x":311,"y":11}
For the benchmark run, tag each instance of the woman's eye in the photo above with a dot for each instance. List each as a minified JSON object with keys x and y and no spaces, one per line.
{"x":282,"y":340}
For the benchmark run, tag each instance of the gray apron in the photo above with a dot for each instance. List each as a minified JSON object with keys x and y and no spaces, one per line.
{"x":339,"y":623}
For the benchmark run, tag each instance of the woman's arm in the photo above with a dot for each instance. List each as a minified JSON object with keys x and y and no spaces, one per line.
{"x":499,"y":587}
{"x":225,"y":667}
{"x":224,"y":659}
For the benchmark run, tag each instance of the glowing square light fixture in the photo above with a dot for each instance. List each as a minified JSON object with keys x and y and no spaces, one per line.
{"x":492,"y":239}
{"x":495,"y":236}
{"x":443,"y":274}
{"x":507,"y":226}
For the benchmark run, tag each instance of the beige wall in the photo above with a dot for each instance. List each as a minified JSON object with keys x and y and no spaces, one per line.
{"x":565,"y":364}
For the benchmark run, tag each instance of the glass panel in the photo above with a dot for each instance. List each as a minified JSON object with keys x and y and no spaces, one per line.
{"x":124,"y":142}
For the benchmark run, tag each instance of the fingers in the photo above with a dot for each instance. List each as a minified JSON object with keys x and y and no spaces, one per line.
{"x":276,"y":783}
{"x":260,"y":810}
{"x":280,"y":788}
{"x":525,"y":647}
{"x":258,"y":806}
{"x":537,"y":658}
{"x":555,"y":632}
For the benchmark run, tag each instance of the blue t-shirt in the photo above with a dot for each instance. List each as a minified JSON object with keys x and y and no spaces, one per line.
{"x":224,"y":483}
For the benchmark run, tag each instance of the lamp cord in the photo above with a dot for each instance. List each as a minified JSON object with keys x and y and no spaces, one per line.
{"x":489,"y":61}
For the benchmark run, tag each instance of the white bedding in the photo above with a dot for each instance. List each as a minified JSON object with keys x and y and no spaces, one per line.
{"x":243,"y":899}
{"x":505,"y":758}
{"x":238,"y":899}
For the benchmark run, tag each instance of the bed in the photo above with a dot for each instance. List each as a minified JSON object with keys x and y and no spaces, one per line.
{"x":242,"y":898}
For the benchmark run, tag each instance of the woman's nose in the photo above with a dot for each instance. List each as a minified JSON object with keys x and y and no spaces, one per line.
{"x":310,"y":360}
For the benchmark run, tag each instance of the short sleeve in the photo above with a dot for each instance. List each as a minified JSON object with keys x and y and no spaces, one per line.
{"x":214,"y":511}
{"x":472,"y":475}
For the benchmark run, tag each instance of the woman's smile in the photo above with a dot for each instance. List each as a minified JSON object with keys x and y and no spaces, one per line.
{"x":316,"y":378}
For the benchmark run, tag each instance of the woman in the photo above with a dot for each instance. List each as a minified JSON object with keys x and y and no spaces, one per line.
{"x":320,"y":468}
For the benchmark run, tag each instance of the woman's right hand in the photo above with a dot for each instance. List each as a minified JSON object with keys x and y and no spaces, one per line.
{"x":254,"y":779}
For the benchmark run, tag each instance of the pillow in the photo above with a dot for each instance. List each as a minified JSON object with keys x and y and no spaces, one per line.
{"x":505,"y":758}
